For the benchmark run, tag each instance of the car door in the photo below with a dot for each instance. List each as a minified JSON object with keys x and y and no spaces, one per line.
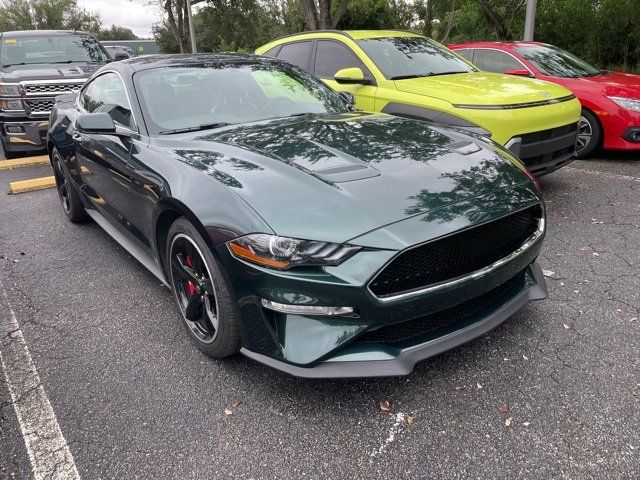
{"x":103,"y":158}
{"x":333,"y":55}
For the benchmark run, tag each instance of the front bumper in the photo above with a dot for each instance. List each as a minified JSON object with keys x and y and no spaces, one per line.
{"x":301,"y":344}
{"x":380,"y":361}
{"x":546,"y":151}
{"x":32,"y":135}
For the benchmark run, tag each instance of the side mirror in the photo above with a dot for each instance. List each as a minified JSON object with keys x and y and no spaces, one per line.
{"x":96,"y":123}
{"x":520,"y":72}
{"x":349,"y":98}
{"x":120,"y":56}
{"x":351,"y":75}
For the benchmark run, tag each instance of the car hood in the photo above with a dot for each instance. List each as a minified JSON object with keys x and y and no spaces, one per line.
{"x":608,"y":83}
{"x":482,"y":88}
{"x":334,"y":178}
{"x":19,"y":73}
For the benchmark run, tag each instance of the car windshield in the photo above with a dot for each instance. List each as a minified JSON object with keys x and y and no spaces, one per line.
{"x":34,"y":49}
{"x":411,"y":57}
{"x":211,"y":95}
{"x":556,"y":62}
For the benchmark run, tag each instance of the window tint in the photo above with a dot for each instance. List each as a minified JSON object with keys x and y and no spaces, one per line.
{"x":272,"y":51}
{"x":297,"y":53}
{"x":189,"y":97}
{"x":333,"y":56}
{"x":464,"y":52}
{"x":107,"y":94}
{"x":495,"y":61}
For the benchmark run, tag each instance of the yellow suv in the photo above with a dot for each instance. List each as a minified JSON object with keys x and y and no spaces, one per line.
{"x":405,"y":74}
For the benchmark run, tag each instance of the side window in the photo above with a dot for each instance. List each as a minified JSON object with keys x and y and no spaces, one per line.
{"x":297,"y":53}
{"x":272,"y":52}
{"x":107,"y":94}
{"x":333,"y":56}
{"x":495,"y":61}
{"x":464,"y":52}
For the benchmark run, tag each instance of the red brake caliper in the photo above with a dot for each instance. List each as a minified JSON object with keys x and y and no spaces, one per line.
{"x":192,"y":287}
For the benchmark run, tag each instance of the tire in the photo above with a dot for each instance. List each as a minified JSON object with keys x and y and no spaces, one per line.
{"x":218,"y":307}
{"x":589,"y":134}
{"x":69,"y":198}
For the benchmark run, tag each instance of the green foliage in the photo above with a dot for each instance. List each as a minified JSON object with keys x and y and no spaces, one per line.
{"x":46,"y":14}
{"x":116,"y":33}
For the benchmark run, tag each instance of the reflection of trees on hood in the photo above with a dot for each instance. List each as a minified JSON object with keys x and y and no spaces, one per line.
{"x":217,"y":165}
{"x":485,"y":177}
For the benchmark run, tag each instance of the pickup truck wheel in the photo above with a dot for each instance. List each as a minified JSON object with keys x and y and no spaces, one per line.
{"x":71,"y":203}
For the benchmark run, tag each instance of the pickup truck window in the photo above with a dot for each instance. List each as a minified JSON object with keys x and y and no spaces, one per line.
{"x":40,"y":48}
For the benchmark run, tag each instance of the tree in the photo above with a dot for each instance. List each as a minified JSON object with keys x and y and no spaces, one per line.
{"x":46,"y":14}
{"x":116,"y":32}
{"x":178,"y":22}
{"x":322,"y":14}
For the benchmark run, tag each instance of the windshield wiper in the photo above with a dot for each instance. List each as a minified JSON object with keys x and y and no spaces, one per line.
{"x":411,"y":75}
{"x":204,"y":126}
{"x":447,"y":73}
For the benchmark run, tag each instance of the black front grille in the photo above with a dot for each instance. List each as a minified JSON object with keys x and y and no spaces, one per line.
{"x":456,"y":255}
{"x":40,"y":105}
{"x":548,"y":134}
{"x":452,"y":318}
{"x":546,"y":146}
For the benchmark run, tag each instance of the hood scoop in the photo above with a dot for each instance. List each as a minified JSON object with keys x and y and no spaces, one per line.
{"x":335,"y":166}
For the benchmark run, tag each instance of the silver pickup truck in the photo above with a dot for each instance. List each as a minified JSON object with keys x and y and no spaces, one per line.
{"x":35,"y":67}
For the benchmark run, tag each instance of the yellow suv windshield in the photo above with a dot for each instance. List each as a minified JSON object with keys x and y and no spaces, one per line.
{"x":410,"y":57}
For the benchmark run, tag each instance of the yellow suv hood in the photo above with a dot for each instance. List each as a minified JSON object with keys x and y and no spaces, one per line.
{"x":482,"y":88}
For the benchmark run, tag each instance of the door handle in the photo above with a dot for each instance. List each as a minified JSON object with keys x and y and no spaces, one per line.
{"x":76,"y":136}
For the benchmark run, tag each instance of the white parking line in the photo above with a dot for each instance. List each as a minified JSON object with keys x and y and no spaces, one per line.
{"x":47,"y":448}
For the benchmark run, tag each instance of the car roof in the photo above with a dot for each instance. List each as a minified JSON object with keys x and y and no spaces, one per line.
{"x":31,"y":33}
{"x":501,"y":45}
{"x":356,"y":34}
{"x":147,"y":62}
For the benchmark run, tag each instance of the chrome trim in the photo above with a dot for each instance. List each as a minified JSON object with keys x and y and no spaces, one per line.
{"x":26,"y":83}
{"x":472,"y":276}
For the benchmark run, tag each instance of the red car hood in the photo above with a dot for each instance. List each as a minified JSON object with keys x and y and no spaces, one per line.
{"x":609,"y":84}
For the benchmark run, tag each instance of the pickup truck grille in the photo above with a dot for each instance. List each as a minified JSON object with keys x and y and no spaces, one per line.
{"x":51,"y":88}
{"x":40,"y":105}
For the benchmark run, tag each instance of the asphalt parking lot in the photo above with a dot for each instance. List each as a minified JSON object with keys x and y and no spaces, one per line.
{"x":554,"y":392}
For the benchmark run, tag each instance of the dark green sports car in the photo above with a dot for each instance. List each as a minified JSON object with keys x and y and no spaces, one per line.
{"x":319,"y":240}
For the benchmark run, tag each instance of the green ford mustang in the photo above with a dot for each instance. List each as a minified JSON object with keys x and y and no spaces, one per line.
{"x":318,"y":240}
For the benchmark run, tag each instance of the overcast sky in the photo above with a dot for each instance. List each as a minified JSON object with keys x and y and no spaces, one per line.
{"x":138,"y":15}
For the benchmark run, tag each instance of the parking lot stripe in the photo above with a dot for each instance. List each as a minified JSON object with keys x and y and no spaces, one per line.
{"x":47,"y":448}
{"x":30,"y":185}
{"x":24,"y":162}
{"x":615,"y":176}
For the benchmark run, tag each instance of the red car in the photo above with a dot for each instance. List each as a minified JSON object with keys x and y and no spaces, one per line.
{"x":610,"y":100}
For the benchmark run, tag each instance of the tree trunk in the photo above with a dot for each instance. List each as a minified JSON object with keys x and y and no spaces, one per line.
{"x":496,"y":22}
{"x":309,"y":14}
{"x":173,"y":24}
{"x":451,"y":15}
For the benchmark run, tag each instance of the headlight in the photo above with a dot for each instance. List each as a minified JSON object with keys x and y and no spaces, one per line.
{"x":628,"y":103}
{"x":11,"y":105}
{"x":283,"y":252}
{"x":7,"y":89}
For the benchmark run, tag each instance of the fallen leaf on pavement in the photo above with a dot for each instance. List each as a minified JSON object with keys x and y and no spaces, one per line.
{"x":237,"y":403}
{"x":507,"y":422}
{"x":461,"y":387}
{"x":525,"y":358}
{"x":526,"y":424}
{"x":385,"y":406}
{"x":228,"y":412}
{"x":566,"y":327}
{"x":410,"y":420}
{"x":548,"y":273}
{"x":479,"y":386}
{"x":503,"y":409}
